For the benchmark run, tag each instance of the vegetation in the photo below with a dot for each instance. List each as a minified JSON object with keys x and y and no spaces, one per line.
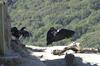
{"x":38,"y":16}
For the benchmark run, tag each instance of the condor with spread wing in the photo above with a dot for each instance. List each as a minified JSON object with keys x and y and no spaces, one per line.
{"x":54,"y":35}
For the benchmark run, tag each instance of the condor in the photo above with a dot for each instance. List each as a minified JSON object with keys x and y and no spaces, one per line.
{"x":54,"y":35}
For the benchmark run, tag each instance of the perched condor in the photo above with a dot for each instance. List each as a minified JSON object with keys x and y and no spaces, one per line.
{"x":25,"y":33}
{"x":22,"y":32}
{"x":15,"y":32}
{"x":54,"y":35}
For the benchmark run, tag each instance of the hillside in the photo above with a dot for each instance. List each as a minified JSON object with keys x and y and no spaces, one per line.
{"x":38,"y":16}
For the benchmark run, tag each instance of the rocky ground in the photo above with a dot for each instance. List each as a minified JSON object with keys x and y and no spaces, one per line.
{"x":81,"y":59}
{"x":43,"y":56}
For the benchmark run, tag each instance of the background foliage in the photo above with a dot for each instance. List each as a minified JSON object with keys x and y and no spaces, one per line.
{"x":38,"y":16}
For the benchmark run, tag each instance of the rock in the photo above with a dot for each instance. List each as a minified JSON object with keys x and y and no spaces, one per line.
{"x":70,"y":58}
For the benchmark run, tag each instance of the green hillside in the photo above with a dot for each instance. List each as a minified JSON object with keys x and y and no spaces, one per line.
{"x":38,"y":16}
